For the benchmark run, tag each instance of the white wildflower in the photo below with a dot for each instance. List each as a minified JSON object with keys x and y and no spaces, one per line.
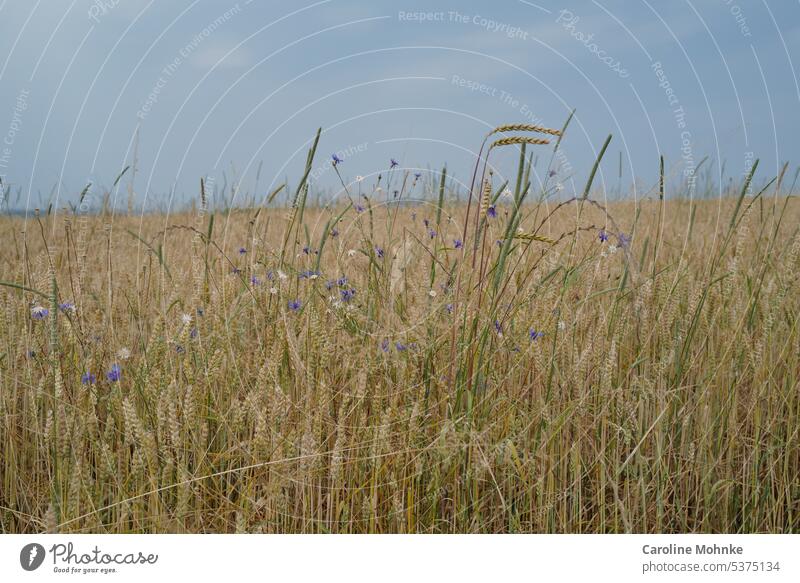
{"x":351,"y":253}
{"x":186,"y":318}
{"x":273,"y":290}
{"x":359,"y":178}
{"x":432,"y":293}
{"x":124,"y":353}
{"x":281,"y":274}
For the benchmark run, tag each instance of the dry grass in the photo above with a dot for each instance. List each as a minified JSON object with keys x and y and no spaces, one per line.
{"x":662,"y":395}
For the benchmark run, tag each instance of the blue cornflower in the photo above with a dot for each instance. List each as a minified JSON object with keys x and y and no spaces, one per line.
{"x":499,"y":242}
{"x":308,"y":274}
{"x":498,"y":327}
{"x":552,"y":173}
{"x":400,"y":346}
{"x":179,"y":349}
{"x":359,"y":208}
{"x":242,"y":250}
{"x":603,"y":236}
{"x":342,"y":281}
{"x":334,"y":232}
{"x":88,"y":378}
{"x":236,"y":271}
{"x":534,"y":334}
{"x":295,"y":305}
{"x":270,"y":275}
{"x":426,"y":222}
{"x":66,"y":307}
{"x":624,"y":240}
{"x":200,"y":311}
{"x":39,"y":313}
{"x":417,"y":175}
{"x":379,"y":252}
{"x":115,"y":374}
{"x":193,"y":333}
{"x":255,"y":281}
{"x":306,"y":250}
{"x":329,"y":284}
{"x":432,"y":233}
{"x":385,"y":345}
{"x":491,"y":212}
{"x":347,"y":294}
{"x":393,"y":163}
{"x":458,"y":243}
{"x":336,"y":159}
{"x":449,"y":308}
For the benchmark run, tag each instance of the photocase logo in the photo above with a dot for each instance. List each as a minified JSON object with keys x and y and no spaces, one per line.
{"x":31,"y":556}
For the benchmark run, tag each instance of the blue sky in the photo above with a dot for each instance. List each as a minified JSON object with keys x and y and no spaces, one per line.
{"x":219,"y":88}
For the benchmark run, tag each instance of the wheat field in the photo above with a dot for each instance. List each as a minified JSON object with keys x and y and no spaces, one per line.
{"x":519,"y":364}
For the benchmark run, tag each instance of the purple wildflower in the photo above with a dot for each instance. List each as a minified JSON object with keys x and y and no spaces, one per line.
{"x":458,"y":243}
{"x":385,"y":345}
{"x":432,"y":234}
{"x":336,"y":159}
{"x":200,"y":312}
{"x":552,"y":173}
{"x":255,"y":281}
{"x":242,"y":250}
{"x":329,"y":284}
{"x":179,"y":349}
{"x":66,"y":307}
{"x":193,"y":333}
{"x":295,"y":305}
{"x":359,"y":208}
{"x":534,"y":334}
{"x":400,"y":346}
{"x":393,"y":163}
{"x":115,"y":374}
{"x":603,"y":236}
{"x":342,"y":281}
{"x":88,"y":378}
{"x":417,"y":175}
{"x":379,"y":252}
{"x":334,"y":232}
{"x":449,"y":308}
{"x":306,"y":250}
{"x":491,"y":212}
{"x":347,"y":294}
{"x":39,"y":313}
{"x":624,"y":240}
{"x":498,"y":327}
{"x":426,"y":222}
